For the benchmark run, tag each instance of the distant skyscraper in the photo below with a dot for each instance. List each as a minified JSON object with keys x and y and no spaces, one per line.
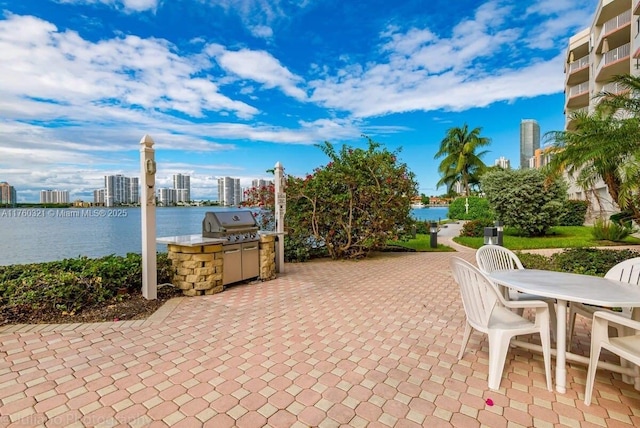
{"x":529,"y":140}
{"x":260,"y":183}
{"x":54,"y":196}
{"x":182,"y":185}
{"x":166,"y":197}
{"x":229,"y":191}
{"x":503,"y":163}
{"x":119,"y":190}
{"x":7,"y":194}
{"x":98,"y":197}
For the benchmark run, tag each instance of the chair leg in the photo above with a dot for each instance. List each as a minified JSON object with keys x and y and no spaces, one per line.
{"x":594,"y":356}
{"x":465,"y":338}
{"x":546,"y":353}
{"x":572,"y":324}
{"x":498,"y":347}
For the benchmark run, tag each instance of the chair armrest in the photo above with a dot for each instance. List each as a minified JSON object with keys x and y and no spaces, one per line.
{"x":525,"y":304}
{"x":617,"y":319}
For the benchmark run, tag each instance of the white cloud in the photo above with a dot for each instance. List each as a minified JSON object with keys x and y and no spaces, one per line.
{"x":259,"y":66}
{"x":479,"y":63}
{"x":126,"y":5}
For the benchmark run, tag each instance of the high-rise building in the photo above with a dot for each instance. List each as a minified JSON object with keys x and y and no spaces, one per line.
{"x":121,"y":190}
{"x":7,"y":195}
{"x":182,"y":185}
{"x":98,"y":197}
{"x":609,"y":47}
{"x":229,"y":191}
{"x":529,"y":140}
{"x":260,"y":183}
{"x":134,"y":190}
{"x":54,"y":196}
{"x":167,"y":197}
{"x":503,"y":163}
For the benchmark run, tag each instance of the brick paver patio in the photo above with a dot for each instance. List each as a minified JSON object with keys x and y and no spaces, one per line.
{"x":367,"y":343}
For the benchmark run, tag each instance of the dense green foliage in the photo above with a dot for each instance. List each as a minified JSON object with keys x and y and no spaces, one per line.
{"x":72,"y":284}
{"x":460,"y":161}
{"x":478,"y":209}
{"x":475,"y":228}
{"x":574,"y":213}
{"x":610,"y":230}
{"x":351,"y":206}
{"x":523,"y":199}
{"x":603,"y":145}
{"x":590,"y":261}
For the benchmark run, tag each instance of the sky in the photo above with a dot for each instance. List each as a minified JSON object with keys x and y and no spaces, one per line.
{"x":230,"y":87}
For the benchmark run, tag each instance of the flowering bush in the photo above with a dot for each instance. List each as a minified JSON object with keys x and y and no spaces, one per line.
{"x":262,"y":198}
{"x":352,"y":205}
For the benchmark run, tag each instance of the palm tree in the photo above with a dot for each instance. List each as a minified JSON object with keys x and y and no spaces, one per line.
{"x":602,"y":145}
{"x":461,"y":162}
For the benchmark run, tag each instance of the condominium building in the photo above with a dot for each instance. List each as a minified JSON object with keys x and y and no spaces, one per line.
{"x":99,"y":197}
{"x":167,"y":197}
{"x":540,"y":158}
{"x":609,"y":47}
{"x":503,"y":163}
{"x":54,"y":196}
{"x":260,"y":183}
{"x":229,"y":191}
{"x":182,"y":185}
{"x":7,"y":195}
{"x":529,"y":140}
{"x":119,"y":190}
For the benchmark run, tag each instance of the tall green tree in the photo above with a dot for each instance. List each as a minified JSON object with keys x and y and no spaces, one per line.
{"x":461,"y":161}
{"x":604,"y":145}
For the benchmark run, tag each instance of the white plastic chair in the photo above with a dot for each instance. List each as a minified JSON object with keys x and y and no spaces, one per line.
{"x":491,"y":258}
{"x":489,"y":312}
{"x":627,"y":271}
{"x":626,"y":347}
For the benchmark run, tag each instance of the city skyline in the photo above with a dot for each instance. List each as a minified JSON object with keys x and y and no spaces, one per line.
{"x":246,"y":85}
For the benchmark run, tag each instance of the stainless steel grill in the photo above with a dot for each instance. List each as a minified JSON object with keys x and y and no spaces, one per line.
{"x":241,"y":256}
{"x":233,"y":226}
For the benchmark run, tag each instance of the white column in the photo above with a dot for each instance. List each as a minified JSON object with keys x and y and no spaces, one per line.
{"x":148,"y":215}
{"x":280,"y":210}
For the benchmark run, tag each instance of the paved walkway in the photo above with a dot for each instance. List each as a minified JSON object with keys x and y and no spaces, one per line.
{"x":370,"y":343}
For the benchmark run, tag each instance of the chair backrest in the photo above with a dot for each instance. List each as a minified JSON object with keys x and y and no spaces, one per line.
{"x":491,"y":258}
{"x":479,"y":295}
{"x":626,"y":271}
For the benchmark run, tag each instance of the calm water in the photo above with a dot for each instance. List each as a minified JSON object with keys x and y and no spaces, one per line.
{"x":40,"y":235}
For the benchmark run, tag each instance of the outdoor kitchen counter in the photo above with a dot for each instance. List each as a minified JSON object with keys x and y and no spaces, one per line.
{"x":189,"y":240}
{"x":198,"y":262}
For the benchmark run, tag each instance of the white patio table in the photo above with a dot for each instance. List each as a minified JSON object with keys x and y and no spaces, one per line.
{"x":569,"y":287}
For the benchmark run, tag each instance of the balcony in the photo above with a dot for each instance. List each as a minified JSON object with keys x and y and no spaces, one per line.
{"x":614,"y":88}
{"x":578,"y":71}
{"x":578,"y":96}
{"x":619,"y":21}
{"x":615,"y":61}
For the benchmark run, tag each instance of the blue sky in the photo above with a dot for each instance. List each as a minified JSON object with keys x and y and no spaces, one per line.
{"x":230,"y":87}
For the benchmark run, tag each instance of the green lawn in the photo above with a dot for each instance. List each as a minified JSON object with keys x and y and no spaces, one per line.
{"x":559,"y":237}
{"x":421,"y":243}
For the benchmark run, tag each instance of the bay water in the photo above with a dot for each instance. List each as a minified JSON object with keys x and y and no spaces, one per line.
{"x":34,"y":235}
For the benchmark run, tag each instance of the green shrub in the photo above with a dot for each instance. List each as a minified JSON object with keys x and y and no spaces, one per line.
{"x":70,"y":285}
{"x":524,"y":199}
{"x":610,"y":230}
{"x":575,"y":212}
{"x":590,"y":261}
{"x":475,"y":228}
{"x":535,"y":261}
{"x":478,"y":209}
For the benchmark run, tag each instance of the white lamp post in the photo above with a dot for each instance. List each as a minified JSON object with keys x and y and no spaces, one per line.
{"x":148,"y":216}
{"x":280,"y":210}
